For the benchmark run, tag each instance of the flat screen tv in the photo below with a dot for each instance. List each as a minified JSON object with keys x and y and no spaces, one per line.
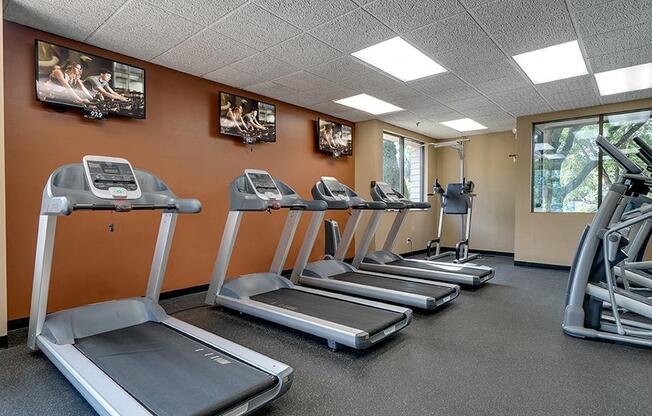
{"x":334,"y":138}
{"x":69,"y":78}
{"x":251,"y":120}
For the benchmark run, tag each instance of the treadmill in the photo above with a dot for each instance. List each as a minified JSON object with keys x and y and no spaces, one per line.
{"x":335,"y":275}
{"x":128,"y":357}
{"x":385,"y":261}
{"x":342,"y":320}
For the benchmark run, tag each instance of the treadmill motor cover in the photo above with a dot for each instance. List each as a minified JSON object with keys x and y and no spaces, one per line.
{"x":171,"y":374}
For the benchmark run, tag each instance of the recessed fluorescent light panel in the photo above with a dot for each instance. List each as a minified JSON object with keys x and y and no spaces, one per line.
{"x":632,"y":78}
{"x":553,"y":63}
{"x":400,"y":59}
{"x":463,"y":124}
{"x":368,"y":104}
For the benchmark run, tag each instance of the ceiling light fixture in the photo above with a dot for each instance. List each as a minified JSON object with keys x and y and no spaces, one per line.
{"x":463,"y":124}
{"x":399,"y":59}
{"x":553,"y":63}
{"x":368,"y":104}
{"x":633,"y":78}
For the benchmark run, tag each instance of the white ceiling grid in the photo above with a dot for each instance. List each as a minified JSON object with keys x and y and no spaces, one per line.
{"x":298,"y":51}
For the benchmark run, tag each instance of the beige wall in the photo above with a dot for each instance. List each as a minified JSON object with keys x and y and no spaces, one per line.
{"x":488,"y":165}
{"x":3,"y":235}
{"x":419,"y":226}
{"x":549,"y":238}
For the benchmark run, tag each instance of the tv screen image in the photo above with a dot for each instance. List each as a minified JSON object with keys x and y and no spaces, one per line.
{"x":335,"y":138}
{"x":71,"y":78}
{"x":251,"y":120}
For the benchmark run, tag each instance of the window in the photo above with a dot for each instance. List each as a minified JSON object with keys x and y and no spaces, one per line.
{"x":403,"y":161}
{"x":569,"y":172}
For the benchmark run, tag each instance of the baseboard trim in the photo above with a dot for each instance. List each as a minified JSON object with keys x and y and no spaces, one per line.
{"x":484,"y":252}
{"x":4,"y":342}
{"x":541,"y":265}
{"x":182,"y":292}
{"x":17,"y":323}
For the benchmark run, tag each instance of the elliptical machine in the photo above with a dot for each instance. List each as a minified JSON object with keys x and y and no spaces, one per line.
{"x":457,"y":199}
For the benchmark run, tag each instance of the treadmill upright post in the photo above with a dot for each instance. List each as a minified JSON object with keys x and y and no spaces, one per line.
{"x":161,"y":254}
{"x":307,"y":245}
{"x":285,"y":241}
{"x":224,"y":255}
{"x":47,"y":226}
{"x":349,"y":233}
{"x":367,"y":237}
{"x":396,"y":227}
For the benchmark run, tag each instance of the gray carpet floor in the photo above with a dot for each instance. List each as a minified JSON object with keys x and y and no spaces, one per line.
{"x":497,"y":350}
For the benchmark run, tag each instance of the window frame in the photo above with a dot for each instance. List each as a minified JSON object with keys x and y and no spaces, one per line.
{"x":601,"y":120}
{"x":401,"y":148}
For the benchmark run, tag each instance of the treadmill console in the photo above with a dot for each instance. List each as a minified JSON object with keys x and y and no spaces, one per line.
{"x":389,"y":193}
{"x":111,"y":177}
{"x":263,"y":185}
{"x":335,"y":188}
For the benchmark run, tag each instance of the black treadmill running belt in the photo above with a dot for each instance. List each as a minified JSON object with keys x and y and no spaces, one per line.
{"x":366,"y":318}
{"x":452,"y":268}
{"x":416,"y":288}
{"x":171,"y":374}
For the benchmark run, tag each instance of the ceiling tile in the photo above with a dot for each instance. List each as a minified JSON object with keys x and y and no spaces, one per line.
{"x":203,"y":53}
{"x":491,"y":111}
{"x":353,"y":115}
{"x":440,"y":114}
{"x":231,"y":76}
{"x":406,"y":15}
{"x":334,"y":92}
{"x":328,"y":107}
{"x":353,"y":31}
{"x":621,"y":59}
{"x":72,"y":19}
{"x":618,"y":40}
{"x":502,"y":84}
{"x":584,"y":4}
{"x":613,"y":15}
{"x":627,"y":96}
{"x":448,"y":34}
{"x":583,"y":82}
{"x":515,"y":95}
{"x":261,"y":28}
{"x":418,"y":102}
{"x":340,"y":69}
{"x":471,"y":4}
{"x":148,"y":24}
{"x":307,"y":14}
{"x":264,"y":66}
{"x":470,"y":55}
{"x":467,"y":104}
{"x":489,"y":71}
{"x":455,"y":94}
{"x":522,"y":108}
{"x":272,"y":90}
{"x":303,"y":81}
{"x":572,"y":99}
{"x":525,"y":25}
{"x":304,"y":51}
{"x":203,"y":12}
{"x":438,"y":82}
{"x":403,"y":117}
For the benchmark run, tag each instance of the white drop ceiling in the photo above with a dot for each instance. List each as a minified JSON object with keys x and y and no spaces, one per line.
{"x":298,"y":51}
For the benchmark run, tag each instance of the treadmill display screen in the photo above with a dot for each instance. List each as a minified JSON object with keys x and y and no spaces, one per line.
{"x":107,"y":175}
{"x":264,"y":185}
{"x":389,"y":192}
{"x":335,"y":188}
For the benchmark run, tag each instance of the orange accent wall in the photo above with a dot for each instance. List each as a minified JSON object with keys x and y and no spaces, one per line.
{"x":179,"y":142}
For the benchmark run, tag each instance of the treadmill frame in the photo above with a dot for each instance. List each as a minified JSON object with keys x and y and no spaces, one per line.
{"x":334,"y":333}
{"x":103,"y":393}
{"x":358,"y":289}
{"x":451,"y":271}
